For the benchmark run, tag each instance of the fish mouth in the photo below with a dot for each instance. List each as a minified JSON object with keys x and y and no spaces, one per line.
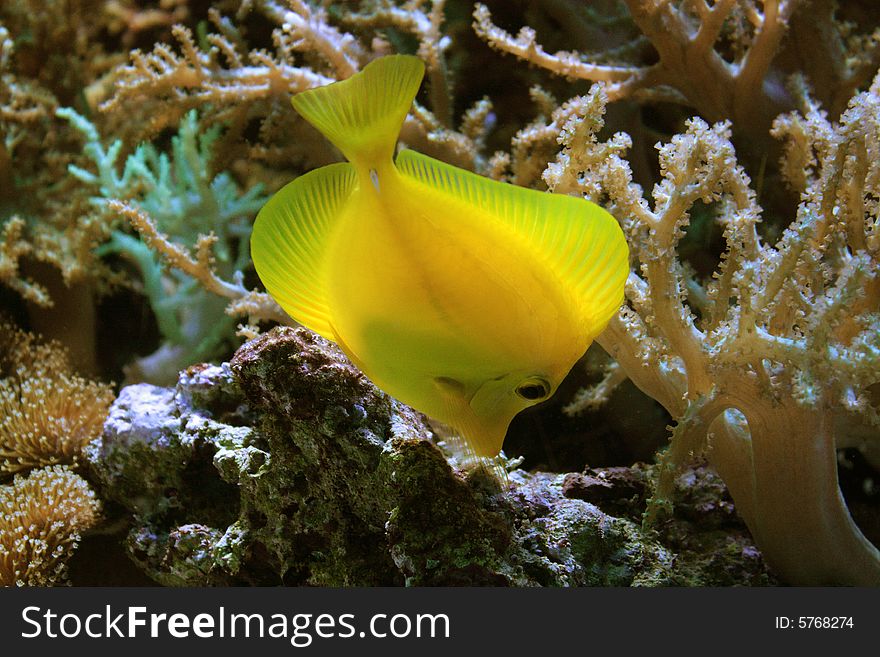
{"x":485,"y":441}
{"x":481,"y":423}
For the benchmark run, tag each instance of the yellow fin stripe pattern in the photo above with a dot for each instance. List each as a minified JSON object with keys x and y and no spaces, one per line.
{"x":579,"y":241}
{"x":290,"y":238}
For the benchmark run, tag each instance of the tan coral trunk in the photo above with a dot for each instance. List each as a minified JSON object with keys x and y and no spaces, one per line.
{"x":788,"y":494}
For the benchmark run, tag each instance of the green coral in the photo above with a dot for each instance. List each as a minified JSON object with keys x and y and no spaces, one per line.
{"x":185,"y":200}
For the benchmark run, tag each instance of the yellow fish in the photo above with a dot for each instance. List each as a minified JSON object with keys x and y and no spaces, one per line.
{"x":466,"y":298}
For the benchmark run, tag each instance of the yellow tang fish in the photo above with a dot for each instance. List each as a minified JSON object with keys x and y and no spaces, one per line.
{"x":466,"y":298}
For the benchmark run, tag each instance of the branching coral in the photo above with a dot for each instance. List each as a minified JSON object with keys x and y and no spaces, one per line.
{"x":720,"y":58}
{"x":12,"y":249}
{"x":181,"y":197}
{"x":41,"y":519}
{"x":47,"y":233}
{"x":425,"y":24}
{"x":431,"y":130}
{"x":58,"y":41}
{"x":47,"y":413}
{"x":770,"y":366}
{"x":130,"y":19}
{"x":21,"y":105}
{"x":236,"y":86}
{"x":257,"y":306}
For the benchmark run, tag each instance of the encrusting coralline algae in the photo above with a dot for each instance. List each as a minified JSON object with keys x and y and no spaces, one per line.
{"x":325,"y":480}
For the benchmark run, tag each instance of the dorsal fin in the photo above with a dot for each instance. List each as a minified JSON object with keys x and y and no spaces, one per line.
{"x":582,"y":243}
{"x":290,"y":238}
{"x":363,"y":114}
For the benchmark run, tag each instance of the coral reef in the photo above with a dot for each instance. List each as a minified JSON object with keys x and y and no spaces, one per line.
{"x":25,"y":130}
{"x":328,"y":481}
{"x":135,"y":137}
{"x":41,"y":519}
{"x":186,"y":203}
{"x":47,"y":416}
{"x":726,"y":59}
{"x":769,"y":366}
{"x":47,"y":413}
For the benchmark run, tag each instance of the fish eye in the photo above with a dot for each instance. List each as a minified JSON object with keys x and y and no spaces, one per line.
{"x":533,"y":389}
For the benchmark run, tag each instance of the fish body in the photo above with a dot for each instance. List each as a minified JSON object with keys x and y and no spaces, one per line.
{"x":466,"y":298}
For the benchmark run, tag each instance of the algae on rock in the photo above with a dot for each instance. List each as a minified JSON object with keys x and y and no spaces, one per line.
{"x":288,"y":466}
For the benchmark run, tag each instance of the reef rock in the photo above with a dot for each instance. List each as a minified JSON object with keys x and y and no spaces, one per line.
{"x":288,"y":466}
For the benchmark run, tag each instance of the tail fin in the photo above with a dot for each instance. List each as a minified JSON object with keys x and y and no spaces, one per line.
{"x":362,"y":115}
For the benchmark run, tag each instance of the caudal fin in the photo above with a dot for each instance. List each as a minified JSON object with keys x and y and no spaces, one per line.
{"x":362,"y":115}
